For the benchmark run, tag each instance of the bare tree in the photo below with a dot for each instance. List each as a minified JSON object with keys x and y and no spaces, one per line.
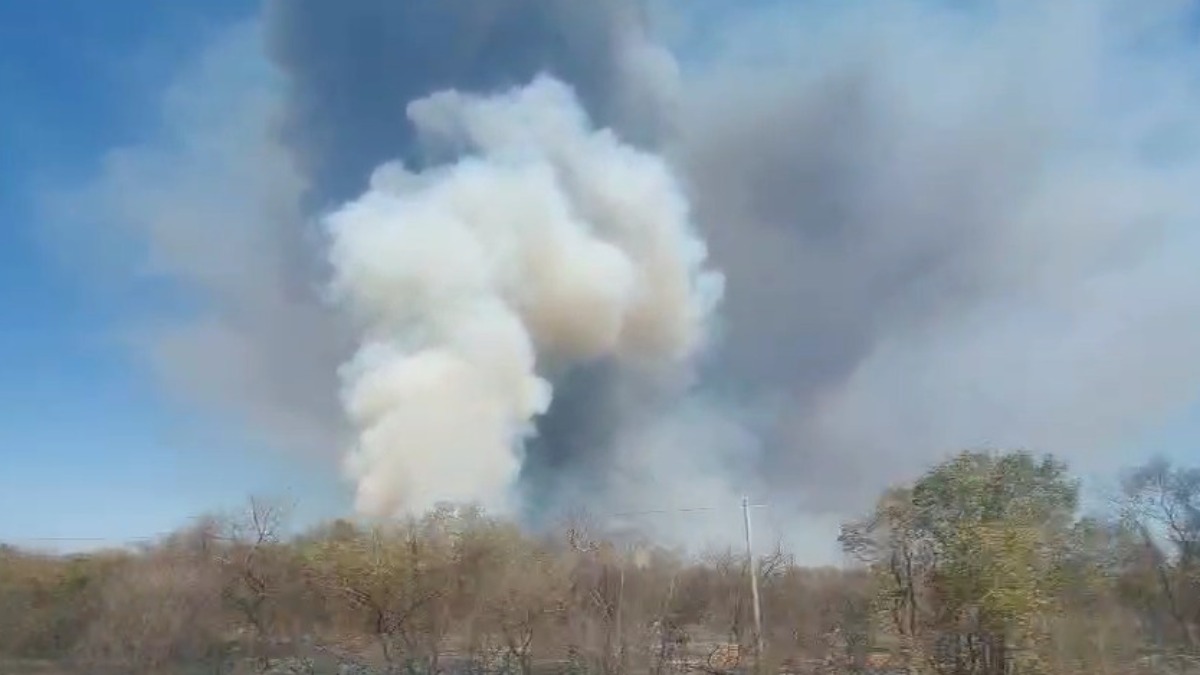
{"x":160,"y":612}
{"x":1162,"y":503}
{"x":382,"y":583}
{"x":254,"y":573}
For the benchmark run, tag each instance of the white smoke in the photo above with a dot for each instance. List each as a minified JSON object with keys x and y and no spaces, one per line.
{"x":547,"y":244}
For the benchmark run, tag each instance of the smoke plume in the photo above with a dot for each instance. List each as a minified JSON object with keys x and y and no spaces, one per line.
{"x":947,"y":228}
{"x":548,"y":245}
{"x":939,"y":226}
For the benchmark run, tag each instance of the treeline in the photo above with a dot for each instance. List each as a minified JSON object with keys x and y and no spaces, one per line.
{"x":983,"y":566}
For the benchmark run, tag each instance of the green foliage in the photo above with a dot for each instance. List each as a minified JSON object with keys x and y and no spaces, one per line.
{"x":973,"y":550}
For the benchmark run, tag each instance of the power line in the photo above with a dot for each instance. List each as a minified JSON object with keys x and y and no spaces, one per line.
{"x":40,"y":540}
{"x":659,"y":511}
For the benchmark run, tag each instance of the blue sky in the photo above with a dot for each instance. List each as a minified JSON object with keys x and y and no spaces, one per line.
{"x":90,"y":447}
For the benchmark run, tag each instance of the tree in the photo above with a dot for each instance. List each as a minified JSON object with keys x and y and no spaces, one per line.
{"x":48,"y":602}
{"x":1162,"y":504}
{"x":255,"y":570}
{"x":968,"y":559}
{"x":161,"y":612}
{"x":377,"y":582}
{"x":526,"y":598}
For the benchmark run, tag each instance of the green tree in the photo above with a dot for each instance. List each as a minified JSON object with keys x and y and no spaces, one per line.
{"x":968,"y":561}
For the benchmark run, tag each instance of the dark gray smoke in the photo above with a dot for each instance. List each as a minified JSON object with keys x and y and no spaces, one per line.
{"x":936,"y":222}
{"x":353,"y":68}
{"x":940,"y":226}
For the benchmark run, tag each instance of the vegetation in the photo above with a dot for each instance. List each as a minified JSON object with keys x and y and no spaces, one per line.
{"x":982,"y":566}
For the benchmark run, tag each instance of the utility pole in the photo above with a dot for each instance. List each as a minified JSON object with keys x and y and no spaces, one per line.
{"x":620,"y":611}
{"x":758,"y":630}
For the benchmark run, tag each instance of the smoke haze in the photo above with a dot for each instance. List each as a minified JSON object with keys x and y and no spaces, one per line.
{"x":937,"y":227}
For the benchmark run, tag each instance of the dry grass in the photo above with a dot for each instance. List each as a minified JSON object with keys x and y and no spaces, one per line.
{"x":31,"y":667}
